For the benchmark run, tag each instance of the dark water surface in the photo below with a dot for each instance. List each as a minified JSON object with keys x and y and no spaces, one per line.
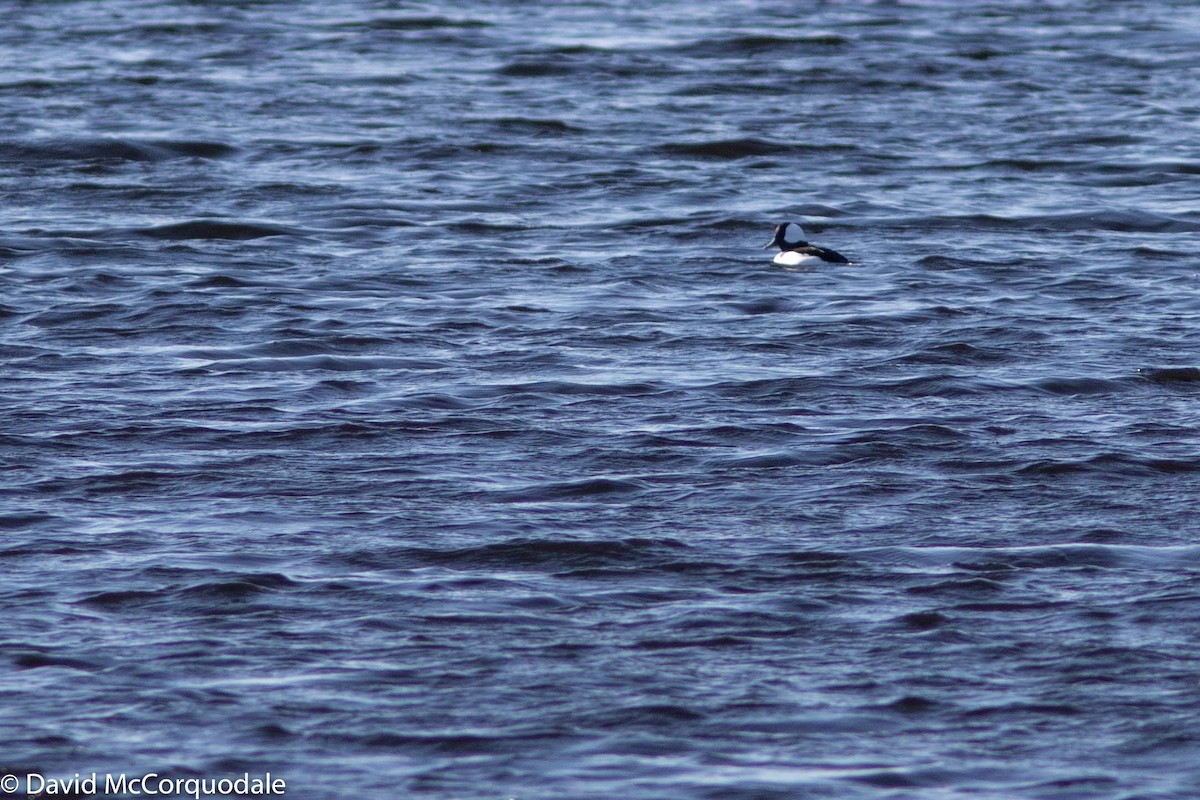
{"x":396,"y":399}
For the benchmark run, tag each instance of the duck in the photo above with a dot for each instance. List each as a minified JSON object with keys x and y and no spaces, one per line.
{"x":794,"y":247}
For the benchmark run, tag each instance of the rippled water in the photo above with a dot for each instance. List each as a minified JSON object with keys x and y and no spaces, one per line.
{"x":397,"y":399}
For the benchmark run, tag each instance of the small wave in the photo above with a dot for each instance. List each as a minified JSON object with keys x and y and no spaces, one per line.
{"x":923,"y":620}
{"x":954,"y":354}
{"x":437,"y":150}
{"x":914,"y":704}
{"x":570,"y":389}
{"x":709,"y":89}
{"x":322,"y":362}
{"x":9,"y":251}
{"x":764,"y":305}
{"x":455,"y":744}
{"x":417,"y":23}
{"x":585,"y":64}
{"x":214,"y":229}
{"x":1090,"y":172}
{"x":120,"y":599}
{"x":42,"y":658}
{"x":535,"y":68}
{"x":70,"y":314}
{"x":240,"y":586}
{"x":773,"y":388}
{"x":1048,"y":556}
{"x":1030,"y":710}
{"x":1070,"y":387}
{"x":19,"y":521}
{"x":112,"y":149}
{"x":742,"y":148}
{"x":1158,"y":253}
{"x":957,"y":587}
{"x":769,"y":461}
{"x":653,"y":715}
{"x":1108,"y":463}
{"x":1166,"y":376}
{"x":1126,"y":220}
{"x":555,"y":554}
{"x":1074,"y":140}
{"x":586,"y":61}
{"x":537,"y":127}
{"x":479,"y":226}
{"x":286,"y":348}
{"x":231,"y":588}
{"x":192,"y":27}
{"x":755,"y":44}
{"x":605,"y":489}
{"x":941,"y":262}
{"x":946,"y":385}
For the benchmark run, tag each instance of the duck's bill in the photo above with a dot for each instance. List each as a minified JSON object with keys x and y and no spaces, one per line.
{"x":768,"y":244}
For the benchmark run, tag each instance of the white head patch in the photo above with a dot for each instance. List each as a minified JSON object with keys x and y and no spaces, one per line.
{"x":793,"y":233}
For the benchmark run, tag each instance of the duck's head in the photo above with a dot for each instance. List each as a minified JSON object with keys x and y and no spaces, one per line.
{"x":787,"y":236}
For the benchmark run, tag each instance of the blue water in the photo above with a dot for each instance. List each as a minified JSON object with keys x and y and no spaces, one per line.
{"x":397,"y":399}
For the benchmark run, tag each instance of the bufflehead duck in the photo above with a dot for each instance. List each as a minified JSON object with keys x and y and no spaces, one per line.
{"x":795,"y":249}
